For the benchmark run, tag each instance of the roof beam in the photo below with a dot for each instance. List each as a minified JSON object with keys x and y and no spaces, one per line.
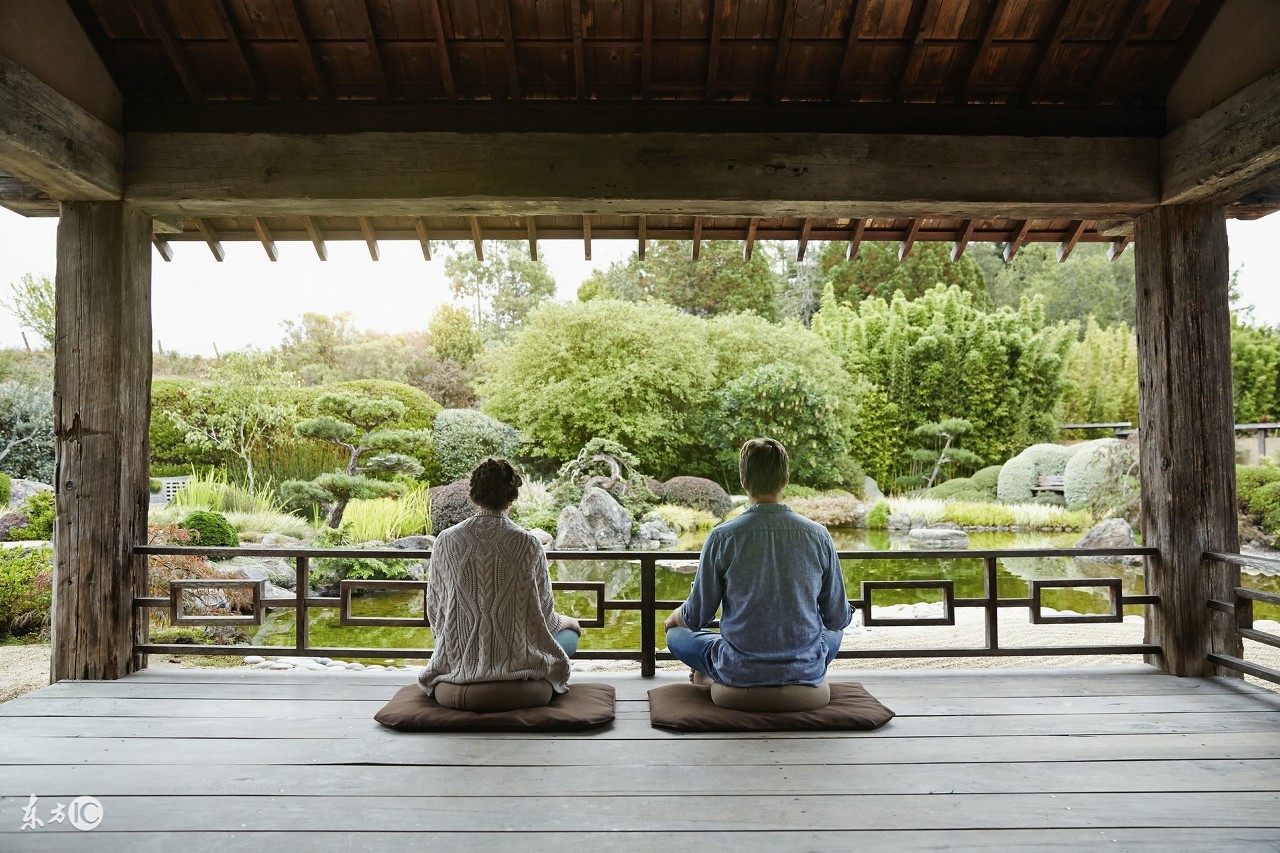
{"x":573,"y":8}
{"x":24,"y":199}
{"x":533,"y":238}
{"x":646,"y":50}
{"x":1044,"y":62}
{"x":154,"y":18}
{"x":802,"y":244}
{"x":713,"y":45}
{"x":891,"y":176}
{"x":264,"y":235}
{"x":442,"y":49}
{"x":915,"y":32}
{"x":370,"y":236}
{"x":375,"y":51}
{"x":994,"y":15}
{"x":751,"y":239}
{"x":211,"y":238}
{"x":1227,"y":151}
{"x":53,"y":144}
{"x":785,"y":30}
{"x":962,"y":242}
{"x":1118,"y":247}
{"x":476,"y":240}
{"x":509,"y":40}
{"x":424,"y":238}
{"x":1113,"y":50}
{"x":163,"y":247}
{"x":855,"y":237}
{"x":586,"y":237}
{"x":1015,"y":242}
{"x":643,"y":236}
{"x":236,"y":40}
{"x":697,"y":237}
{"x":1077,"y":231}
{"x":302,"y":37}
{"x":317,"y":239}
{"x":913,"y":230}
{"x":856,"y":15}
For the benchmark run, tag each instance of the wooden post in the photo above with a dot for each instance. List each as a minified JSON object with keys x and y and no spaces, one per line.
{"x":102,"y":402}
{"x":1187,"y":432}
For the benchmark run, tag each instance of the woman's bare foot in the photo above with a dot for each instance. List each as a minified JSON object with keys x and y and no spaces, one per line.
{"x":700,"y":679}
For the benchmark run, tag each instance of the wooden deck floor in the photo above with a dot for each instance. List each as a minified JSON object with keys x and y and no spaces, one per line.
{"x":1117,"y":758}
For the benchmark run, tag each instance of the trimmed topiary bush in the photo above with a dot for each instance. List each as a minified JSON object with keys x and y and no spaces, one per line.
{"x":1018,"y":477}
{"x":212,"y":529}
{"x":986,"y":479}
{"x":1088,"y":469}
{"x":698,"y":493}
{"x":950,"y":488}
{"x":465,"y":437}
{"x":451,"y":505}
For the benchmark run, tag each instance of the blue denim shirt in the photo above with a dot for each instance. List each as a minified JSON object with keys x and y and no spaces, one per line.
{"x":778,"y":578}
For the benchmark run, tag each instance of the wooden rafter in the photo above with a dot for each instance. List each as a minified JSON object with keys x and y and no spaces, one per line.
{"x":573,"y":8}
{"x":909,"y":239}
{"x":163,"y":247}
{"x":751,"y":239}
{"x":915,"y":32}
{"x":264,"y":236}
{"x":317,"y":238}
{"x":1015,"y":242}
{"x":154,"y":18}
{"x":236,"y":39}
{"x":646,"y":50}
{"x":1118,"y":247}
{"x":370,"y":236}
{"x":697,"y":237}
{"x":586,"y":237}
{"x":375,"y":51}
{"x":1113,"y":50}
{"x":1192,"y":35}
{"x":642,"y":237}
{"x":1045,"y":61}
{"x":855,"y":237}
{"x":994,"y":15}
{"x":211,"y":239}
{"x":802,"y":245}
{"x":785,"y":30}
{"x":509,"y":40}
{"x":1077,"y":231}
{"x":533,"y":237}
{"x":962,"y":242}
{"x":424,"y":236}
{"x":476,"y":240}
{"x":442,"y":49}
{"x":713,"y":45}
{"x":302,"y":37}
{"x":856,"y":15}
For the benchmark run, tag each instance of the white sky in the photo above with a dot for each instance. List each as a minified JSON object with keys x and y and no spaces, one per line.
{"x":198,"y":304}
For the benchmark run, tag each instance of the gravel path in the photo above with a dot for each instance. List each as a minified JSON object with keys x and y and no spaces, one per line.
{"x":23,"y":669}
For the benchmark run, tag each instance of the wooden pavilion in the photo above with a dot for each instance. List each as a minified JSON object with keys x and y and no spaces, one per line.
{"x":145,"y":122}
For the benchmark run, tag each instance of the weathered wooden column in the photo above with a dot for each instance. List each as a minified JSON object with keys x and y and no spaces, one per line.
{"x":1187,"y":437}
{"x":102,"y":398}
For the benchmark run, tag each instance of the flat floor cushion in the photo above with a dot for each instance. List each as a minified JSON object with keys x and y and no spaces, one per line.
{"x":585,"y":706}
{"x":493,"y":696}
{"x":785,"y":697}
{"x":688,"y":708}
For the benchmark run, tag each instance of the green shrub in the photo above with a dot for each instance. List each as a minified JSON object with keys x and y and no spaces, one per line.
{"x":420,"y":409}
{"x":389,"y":518}
{"x":39,"y":510}
{"x":26,"y":590}
{"x":986,"y":479}
{"x":1088,"y":470}
{"x":213,"y":528}
{"x":794,"y":491}
{"x":6,"y":484}
{"x":465,"y":437}
{"x":685,"y":519}
{"x":1250,"y":478}
{"x":155,"y":486}
{"x":950,"y":488}
{"x":1265,"y":506}
{"x":450,"y":504}
{"x":1018,"y":477}
{"x":697,"y":493}
{"x":213,"y":489}
{"x":878,"y":516}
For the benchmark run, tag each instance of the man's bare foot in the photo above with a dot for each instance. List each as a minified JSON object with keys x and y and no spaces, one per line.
{"x":700,"y":679}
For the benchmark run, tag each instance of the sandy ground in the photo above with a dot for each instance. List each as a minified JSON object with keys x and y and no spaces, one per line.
{"x":26,"y":668}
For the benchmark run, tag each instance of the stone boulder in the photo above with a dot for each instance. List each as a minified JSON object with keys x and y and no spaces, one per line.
{"x":938,"y":538}
{"x":573,"y":533}
{"x":413,"y":543}
{"x":545,"y":538}
{"x":1109,"y":533}
{"x":277,"y":570}
{"x":655,"y":528}
{"x":11,"y":521}
{"x":899,"y":521}
{"x":871,"y":490}
{"x":608,"y":520}
{"x":280,"y":540}
{"x":20,"y":490}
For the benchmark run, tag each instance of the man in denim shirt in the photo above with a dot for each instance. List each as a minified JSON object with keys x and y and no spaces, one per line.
{"x":777,"y":579}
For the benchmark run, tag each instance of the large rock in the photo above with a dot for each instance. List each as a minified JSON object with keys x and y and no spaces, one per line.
{"x":899,"y":521}
{"x":413,"y":543}
{"x":871,"y":490}
{"x":572,"y":531}
{"x":657,"y":529}
{"x":280,"y":540}
{"x":11,"y":521}
{"x":545,"y":538}
{"x":608,"y":520}
{"x":938,"y":538}
{"x":277,"y":570}
{"x":1109,"y":533}
{"x":20,"y":490}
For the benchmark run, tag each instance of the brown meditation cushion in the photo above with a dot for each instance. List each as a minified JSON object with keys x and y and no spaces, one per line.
{"x":688,"y":708}
{"x":784,"y":697}
{"x":487,"y":697}
{"x":585,"y":706}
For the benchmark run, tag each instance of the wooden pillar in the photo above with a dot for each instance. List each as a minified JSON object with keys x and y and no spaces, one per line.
{"x":102,"y":401}
{"x":1187,"y":431}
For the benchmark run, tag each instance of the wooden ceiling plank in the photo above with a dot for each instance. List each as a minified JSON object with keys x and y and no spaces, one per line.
{"x":646,"y":51}
{"x":806,"y":229}
{"x":163,"y":247}
{"x":574,"y":9}
{"x":697,"y":237}
{"x":370,"y":236}
{"x":995,"y":14}
{"x":856,"y":15}
{"x":1073,"y":237}
{"x":317,"y":239}
{"x":154,"y":18}
{"x":533,"y":238}
{"x":643,"y":238}
{"x":1045,"y":61}
{"x":713,"y":45}
{"x":211,"y":238}
{"x":442,"y":49}
{"x":751,"y":238}
{"x":1117,"y":44}
{"x":1015,"y":242}
{"x":302,"y":37}
{"x":509,"y":40}
{"x":375,"y":51}
{"x":236,"y":39}
{"x":962,"y":242}
{"x":914,"y":31}
{"x":424,"y":236}
{"x":586,"y":236}
{"x":785,"y":31}
{"x":909,"y":240}
{"x":1118,"y":247}
{"x":264,"y":235}
{"x":476,"y":240}
{"x":855,"y":237}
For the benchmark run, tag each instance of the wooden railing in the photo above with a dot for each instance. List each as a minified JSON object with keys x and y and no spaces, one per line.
{"x":1241,"y":606}
{"x":648,"y":605}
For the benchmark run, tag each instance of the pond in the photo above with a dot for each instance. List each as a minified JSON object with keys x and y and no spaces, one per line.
{"x":622,"y":581}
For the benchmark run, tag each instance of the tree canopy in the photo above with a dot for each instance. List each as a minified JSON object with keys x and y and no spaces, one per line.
{"x":505,"y":287}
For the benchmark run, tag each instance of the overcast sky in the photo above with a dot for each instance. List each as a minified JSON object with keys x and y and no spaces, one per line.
{"x":198,"y":304}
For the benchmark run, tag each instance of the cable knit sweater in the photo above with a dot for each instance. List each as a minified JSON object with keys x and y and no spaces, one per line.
{"x":490,"y":607}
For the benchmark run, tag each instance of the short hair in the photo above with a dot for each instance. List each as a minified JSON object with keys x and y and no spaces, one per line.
{"x":495,"y":484}
{"x":763,"y":466}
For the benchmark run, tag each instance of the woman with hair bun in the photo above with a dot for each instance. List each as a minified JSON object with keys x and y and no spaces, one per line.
{"x":489,"y":599}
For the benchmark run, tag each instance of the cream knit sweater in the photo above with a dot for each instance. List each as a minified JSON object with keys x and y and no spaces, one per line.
{"x":490,"y":607}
